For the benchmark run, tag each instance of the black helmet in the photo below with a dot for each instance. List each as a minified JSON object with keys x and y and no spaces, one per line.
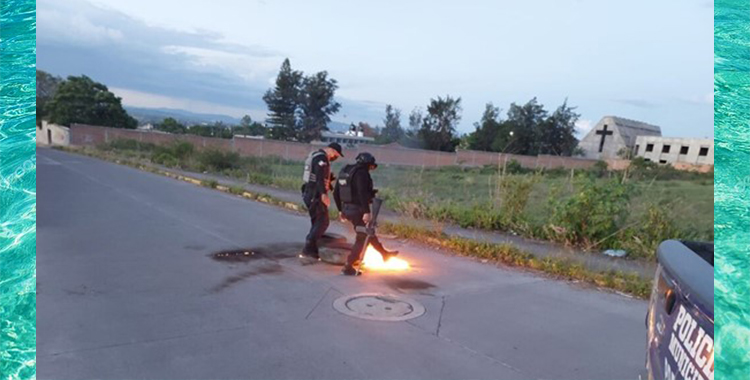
{"x":366,"y":159}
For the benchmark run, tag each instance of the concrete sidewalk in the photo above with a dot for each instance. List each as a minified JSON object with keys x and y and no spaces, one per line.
{"x":127,"y":288}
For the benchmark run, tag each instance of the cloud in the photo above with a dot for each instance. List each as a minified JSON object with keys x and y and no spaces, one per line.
{"x":136,"y":98}
{"x":583,"y":126}
{"x":152,"y":66}
{"x":640,"y":103}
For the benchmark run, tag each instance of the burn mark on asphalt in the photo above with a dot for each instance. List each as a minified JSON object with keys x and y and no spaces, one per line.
{"x":271,"y":251}
{"x":268,"y":269}
{"x":408,"y":284}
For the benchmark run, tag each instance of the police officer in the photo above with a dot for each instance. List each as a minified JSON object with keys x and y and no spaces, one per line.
{"x":353,"y":194}
{"x":316,"y":184}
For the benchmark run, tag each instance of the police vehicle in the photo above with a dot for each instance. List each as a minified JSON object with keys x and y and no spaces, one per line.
{"x":680,"y":318}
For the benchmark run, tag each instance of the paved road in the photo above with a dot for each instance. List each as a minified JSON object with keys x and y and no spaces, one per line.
{"x":127,"y":288}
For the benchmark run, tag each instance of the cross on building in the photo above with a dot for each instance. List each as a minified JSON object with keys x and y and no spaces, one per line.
{"x":604,"y":132}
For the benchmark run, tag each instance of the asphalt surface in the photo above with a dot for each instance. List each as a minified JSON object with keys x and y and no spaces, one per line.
{"x":127,"y":288}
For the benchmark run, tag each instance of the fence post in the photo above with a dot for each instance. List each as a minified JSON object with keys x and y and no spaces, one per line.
{"x":106,"y":136}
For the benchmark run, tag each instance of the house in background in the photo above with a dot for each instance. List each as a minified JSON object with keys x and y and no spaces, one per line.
{"x":674,"y":150}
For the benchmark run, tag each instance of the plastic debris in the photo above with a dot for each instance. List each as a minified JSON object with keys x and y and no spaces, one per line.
{"x":615,"y":252}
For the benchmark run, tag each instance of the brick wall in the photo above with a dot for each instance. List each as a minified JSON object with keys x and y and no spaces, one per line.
{"x":386,"y":154}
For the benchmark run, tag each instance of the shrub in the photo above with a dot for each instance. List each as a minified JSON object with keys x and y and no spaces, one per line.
{"x":591,"y":216}
{"x":654,"y":226}
{"x":218,"y":160}
{"x":165,"y":158}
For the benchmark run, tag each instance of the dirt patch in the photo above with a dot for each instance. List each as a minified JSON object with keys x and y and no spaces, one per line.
{"x":408,"y":284}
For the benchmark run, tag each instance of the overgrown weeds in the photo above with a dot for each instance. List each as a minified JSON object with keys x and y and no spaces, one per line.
{"x":507,"y":254}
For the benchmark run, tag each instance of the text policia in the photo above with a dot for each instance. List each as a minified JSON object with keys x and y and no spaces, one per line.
{"x":691,"y":348}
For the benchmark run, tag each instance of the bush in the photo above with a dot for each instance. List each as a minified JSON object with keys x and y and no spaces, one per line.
{"x":599,"y":170}
{"x":182,"y":149}
{"x":165,"y":158}
{"x":514,"y":167}
{"x":592,"y":216}
{"x":654,"y":227}
{"x":218,"y":160}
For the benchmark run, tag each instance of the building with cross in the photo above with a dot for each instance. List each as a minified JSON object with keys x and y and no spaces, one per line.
{"x":613,"y":134}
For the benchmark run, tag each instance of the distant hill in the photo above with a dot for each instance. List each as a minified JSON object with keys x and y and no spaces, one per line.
{"x":156,"y":115}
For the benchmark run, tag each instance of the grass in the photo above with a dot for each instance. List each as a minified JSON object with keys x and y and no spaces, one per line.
{"x":659,"y":203}
{"x":509,"y":255}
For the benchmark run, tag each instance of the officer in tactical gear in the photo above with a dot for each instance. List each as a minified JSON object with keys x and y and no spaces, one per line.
{"x":316,"y":184}
{"x":353,"y":194}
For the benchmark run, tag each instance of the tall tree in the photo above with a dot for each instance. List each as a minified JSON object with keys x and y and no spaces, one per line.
{"x":438,"y":129}
{"x":316,"y":105}
{"x":283,"y":101}
{"x":557,"y":133}
{"x":82,"y":100}
{"x":523,"y":121}
{"x":46,"y":87}
{"x":392,"y":130}
{"x":485,"y":130}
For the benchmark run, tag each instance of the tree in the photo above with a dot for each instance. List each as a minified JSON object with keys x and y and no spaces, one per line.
{"x":485,"y":130}
{"x":283,"y":101}
{"x":528,"y":130}
{"x":392,"y":131}
{"x":46,"y":87}
{"x":438,"y":129}
{"x":316,"y":106}
{"x":171,"y":125}
{"x":249,"y":127}
{"x":523,"y":121}
{"x":556,"y":135}
{"x":82,"y":100}
{"x":411,"y":138}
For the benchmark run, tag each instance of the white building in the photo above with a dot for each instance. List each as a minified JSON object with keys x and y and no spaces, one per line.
{"x":613,"y":134}
{"x":350,"y":138}
{"x":672,"y":150}
{"x":52,"y":134}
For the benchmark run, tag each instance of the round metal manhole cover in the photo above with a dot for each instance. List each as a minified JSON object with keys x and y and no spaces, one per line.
{"x":379,"y":307}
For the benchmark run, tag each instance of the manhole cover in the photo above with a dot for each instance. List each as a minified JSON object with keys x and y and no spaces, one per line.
{"x":379,"y":307}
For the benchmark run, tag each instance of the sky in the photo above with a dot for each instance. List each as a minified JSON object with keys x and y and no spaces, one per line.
{"x":645,"y":60}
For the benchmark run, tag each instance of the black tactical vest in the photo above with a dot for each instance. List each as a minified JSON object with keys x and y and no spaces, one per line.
{"x":345,"y":184}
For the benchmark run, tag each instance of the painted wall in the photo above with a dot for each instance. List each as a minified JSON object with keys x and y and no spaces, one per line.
{"x":52,"y":134}
{"x":392,"y":154}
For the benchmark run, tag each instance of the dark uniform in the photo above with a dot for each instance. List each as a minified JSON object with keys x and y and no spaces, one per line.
{"x":317,"y":182}
{"x":353,"y":194}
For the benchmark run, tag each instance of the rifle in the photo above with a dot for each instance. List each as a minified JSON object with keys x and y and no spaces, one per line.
{"x":369,"y":229}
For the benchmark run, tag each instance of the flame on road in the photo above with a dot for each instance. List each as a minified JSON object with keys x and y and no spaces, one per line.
{"x":374,"y":260}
